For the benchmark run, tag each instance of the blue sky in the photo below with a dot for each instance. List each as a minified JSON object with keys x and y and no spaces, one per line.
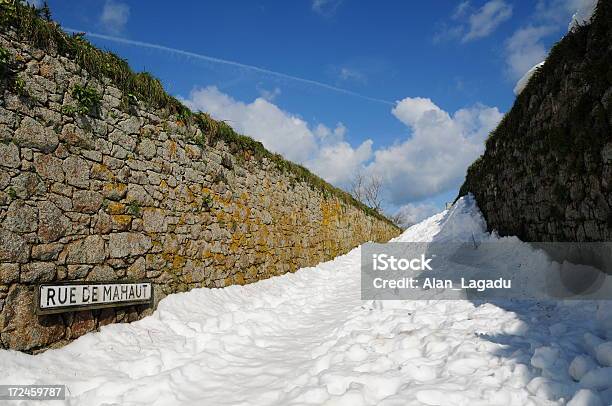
{"x":442,"y":72}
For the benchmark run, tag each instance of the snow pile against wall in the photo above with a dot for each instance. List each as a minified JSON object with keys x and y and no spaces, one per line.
{"x":308,"y":338}
{"x":522,"y":82}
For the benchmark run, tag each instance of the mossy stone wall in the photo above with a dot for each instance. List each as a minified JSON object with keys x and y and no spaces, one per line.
{"x":111,"y":193}
{"x":546,"y":174}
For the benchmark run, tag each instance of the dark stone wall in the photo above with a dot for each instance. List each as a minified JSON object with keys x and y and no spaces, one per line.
{"x":546,"y":174}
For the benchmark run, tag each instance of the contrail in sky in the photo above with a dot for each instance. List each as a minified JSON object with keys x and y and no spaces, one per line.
{"x":230,"y":63}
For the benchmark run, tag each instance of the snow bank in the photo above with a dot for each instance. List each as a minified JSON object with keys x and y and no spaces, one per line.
{"x":522,"y":82}
{"x":308,"y":339}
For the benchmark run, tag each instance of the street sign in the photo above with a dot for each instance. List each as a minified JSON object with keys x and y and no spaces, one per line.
{"x":75,"y":296}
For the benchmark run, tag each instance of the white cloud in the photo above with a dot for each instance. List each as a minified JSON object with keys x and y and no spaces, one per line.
{"x":461,"y":10}
{"x":270,"y":95}
{"x":329,"y":136}
{"x":431,"y":161}
{"x":471,"y":23}
{"x":320,"y":148}
{"x":351,"y":74}
{"x":447,"y":33}
{"x":525,"y":48}
{"x":559,"y":11}
{"x":337,"y":163}
{"x":326,"y":8}
{"x":441,"y":148}
{"x":114,"y":16}
{"x":279,"y":131}
{"x":336,"y":160}
{"x":487,"y":19}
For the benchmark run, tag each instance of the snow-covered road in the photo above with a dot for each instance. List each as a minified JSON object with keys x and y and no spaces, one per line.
{"x":308,"y":339}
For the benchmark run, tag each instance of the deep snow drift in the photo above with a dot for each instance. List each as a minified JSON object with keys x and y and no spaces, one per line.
{"x":308,"y":339}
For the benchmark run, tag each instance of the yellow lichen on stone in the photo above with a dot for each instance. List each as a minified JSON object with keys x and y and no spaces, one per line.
{"x":172,"y":148}
{"x":122,"y":220}
{"x":115,"y":208}
{"x":114,"y":190}
{"x":101,"y":171}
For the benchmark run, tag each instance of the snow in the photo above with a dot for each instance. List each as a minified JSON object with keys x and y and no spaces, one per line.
{"x":522,"y":82}
{"x":308,"y":339}
{"x":598,"y":378}
{"x":580,"y":366}
{"x":585,"y":397}
{"x":583,"y":14}
{"x":604,"y":317}
{"x":603,"y":353}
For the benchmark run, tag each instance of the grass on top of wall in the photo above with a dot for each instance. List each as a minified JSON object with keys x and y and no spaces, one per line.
{"x":35,"y":27}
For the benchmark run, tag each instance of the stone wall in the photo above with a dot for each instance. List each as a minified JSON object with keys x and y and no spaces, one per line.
{"x":126,"y":195}
{"x":546,"y":174}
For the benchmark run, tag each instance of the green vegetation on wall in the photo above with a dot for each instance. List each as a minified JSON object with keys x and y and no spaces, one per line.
{"x":572,"y":136}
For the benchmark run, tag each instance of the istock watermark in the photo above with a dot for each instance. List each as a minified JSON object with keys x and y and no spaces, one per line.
{"x":505,"y":269}
{"x":383,"y":262}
